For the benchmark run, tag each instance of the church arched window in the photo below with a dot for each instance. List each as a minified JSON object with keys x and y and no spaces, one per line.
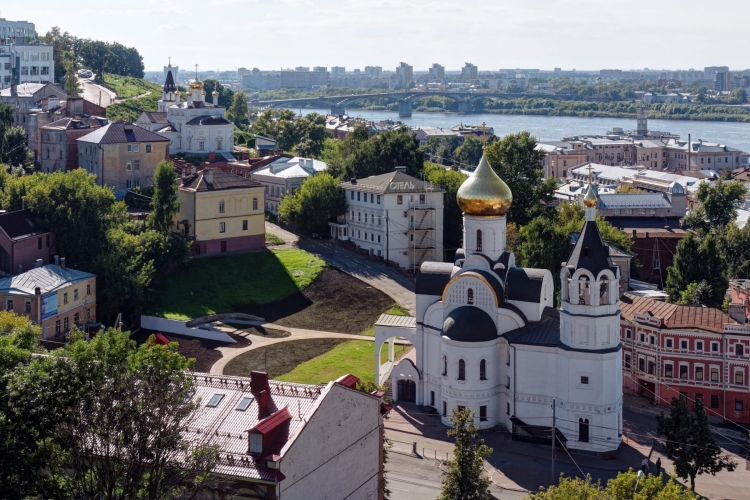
{"x":583,"y":290}
{"x":583,"y":430}
{"x":603,"y":293}
{"x":470,"y":296}
{"x":479,"y":240}
{"x":219,"y":143}
{"x":221,"y":206}
{"x":461,"y":369}
{"x":445,"y":365}
{"x":483,"y":370}
{"x":255,"y":203}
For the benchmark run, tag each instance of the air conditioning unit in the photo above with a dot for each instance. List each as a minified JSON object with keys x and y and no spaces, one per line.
{"x":406,"y":253}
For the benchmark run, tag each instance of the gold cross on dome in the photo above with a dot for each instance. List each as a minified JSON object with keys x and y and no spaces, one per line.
{"x":196,"y":71}
{"x":170,"y":62}
{"x":589,"y":168}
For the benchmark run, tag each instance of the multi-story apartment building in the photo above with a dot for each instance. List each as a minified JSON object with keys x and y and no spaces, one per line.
{"x":685,"y":351}
{"x":52,"y":296}
{"x":374,"y":70}
{"x":26,"y":97}
{"x":404,"y":75}
{"x":221,"y":212}
{"x":122,"y":155}
{"x":436,"y":72}
{"x":24,"y":242}
{"x":395,"y":217}
{"x":271,"y":80}
{"x":469,"y":72}
{"x":284,"y":176}
{"x":59,"y":142}
{"x":563,"y":155}
{"x":22,"y":58}
{"x":338,"y":70}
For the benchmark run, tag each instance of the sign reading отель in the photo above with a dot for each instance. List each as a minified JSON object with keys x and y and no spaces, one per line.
{"x":400,"y":186}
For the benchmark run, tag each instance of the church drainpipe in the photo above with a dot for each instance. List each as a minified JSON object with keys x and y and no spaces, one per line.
{"x":514,"y":380}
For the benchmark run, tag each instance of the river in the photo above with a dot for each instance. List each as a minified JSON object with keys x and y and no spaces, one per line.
{"x":554,"y":128}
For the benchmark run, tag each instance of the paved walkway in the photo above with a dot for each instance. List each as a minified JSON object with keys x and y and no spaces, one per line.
{"x":257,"y":341}
{"x":376,"y":274}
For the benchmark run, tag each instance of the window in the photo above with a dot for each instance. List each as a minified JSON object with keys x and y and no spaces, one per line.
{"x":130,"y":148}
{"x":57,"y":326}
{"x":583,"y":430}
{"x":462,"y":369}
{"x":739,"y":377}
{"x":352,"y":194}
{"x":739,"y":405}
{"x":643,"y":337}
{"x":683,"y":371}
{"x":88,"y":289}
{"x":698,"y":345}
{"x":714,"y":347}
{"x":668,"y":343}
{"x":244,"y":403}
{"x":66,"y":324}
{"x":256,"y":443}
{"x":75,"y":294}
{"x":482,"y":413}
{"x":739,"y":350}
{"x":9,"y":304}
{"x":445,"y":408}
{"x":714,"y":374}
{"x":221,"y":206}
{"x":222,"y":227}
{"x":584,"y":380}
{"x":27,"y":305}
{"x":642,"y":364}
{"x":421,"y":199}
{"x":128,"y":184}
{"x":627,"y":361}
{"x":657,"y":265}
{"x":77,"y":318}
{"x":359,"y":216}
{"x":255,"y":203}
{"x":483,"y":370}
{"x":470,"y":296}
{"x":135,"y":147}
{"x":651,"y":367}
{"x":668,"y":370}
{"x":148,"y":148}
{"x":137,"y":164}
{"x":128,"y":166}
{"x":445,"y":365}
{"x":378,"y":198}
{"x":651,"y":339}
{"x":215,"y":400}
{"x":219,"y":143}
{"x":627,"y":334}
{"x":683,"y":344}
{"x":432,"y":399}
{"x":65,"y":298}
{"x":359,"y":196}
{"x":698,"y":373}
{"x":479,"y":240}
{"x":507,"y":408}
{"x":244,"y":225}
{"x":201,"y":145}
{"x":714,"y":400}
{"x":460,"y":408}
{"x":372,"y":197}
{"x":399,"y":200}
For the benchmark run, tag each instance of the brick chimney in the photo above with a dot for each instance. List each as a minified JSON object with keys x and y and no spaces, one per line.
{"x":211,"y":157}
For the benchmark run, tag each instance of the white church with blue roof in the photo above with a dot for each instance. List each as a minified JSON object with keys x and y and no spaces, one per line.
{"x":487,"y":335}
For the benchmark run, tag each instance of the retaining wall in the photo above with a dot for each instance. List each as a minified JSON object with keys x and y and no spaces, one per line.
{"x":222,"y":316}
{"x":181,"y":328}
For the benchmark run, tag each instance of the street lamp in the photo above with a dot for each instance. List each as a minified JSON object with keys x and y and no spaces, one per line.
{"x":640,"y":473}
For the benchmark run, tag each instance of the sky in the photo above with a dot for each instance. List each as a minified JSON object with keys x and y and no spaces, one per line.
{"x":544,"y":34}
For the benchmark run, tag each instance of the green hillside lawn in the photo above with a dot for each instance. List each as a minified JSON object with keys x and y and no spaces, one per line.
{"x":211,"y":285}
{"x":126,"y":86}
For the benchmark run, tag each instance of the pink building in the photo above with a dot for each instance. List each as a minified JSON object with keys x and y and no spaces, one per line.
{"x":24,"y":243}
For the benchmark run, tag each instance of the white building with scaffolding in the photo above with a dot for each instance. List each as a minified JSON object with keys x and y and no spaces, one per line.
{"x":395,"y":217}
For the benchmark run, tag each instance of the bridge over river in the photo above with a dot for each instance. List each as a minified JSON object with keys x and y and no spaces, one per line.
{"x":338,"y":103}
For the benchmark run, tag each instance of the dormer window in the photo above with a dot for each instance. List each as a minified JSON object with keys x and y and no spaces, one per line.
{"x":256,"y":443}
{"x":470,"y":296}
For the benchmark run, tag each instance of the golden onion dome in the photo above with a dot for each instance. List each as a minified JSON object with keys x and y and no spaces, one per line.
{"x":203,"y":93}
{"x":484,"y":193}
{"x":195,"y":84}
{"x":214,"y":93}
{"x":590,"y":199}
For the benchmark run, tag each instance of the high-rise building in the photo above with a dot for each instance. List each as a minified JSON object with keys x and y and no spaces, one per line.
{"x":338,"y":70}
{"x":404,"y":75}
{"x":22,"y":58}
{"x":320,"y":69}
{"x":373,"y":70}
{"x":722,"y":81}
{"x":436,"y":72}
{"x":302,"y":69}
{"x":469,"y":72}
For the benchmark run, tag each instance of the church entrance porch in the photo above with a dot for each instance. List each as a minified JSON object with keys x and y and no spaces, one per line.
{"x":407,"y":391}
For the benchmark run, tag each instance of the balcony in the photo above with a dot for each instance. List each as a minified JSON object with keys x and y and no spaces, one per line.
{"x":428,"y":205}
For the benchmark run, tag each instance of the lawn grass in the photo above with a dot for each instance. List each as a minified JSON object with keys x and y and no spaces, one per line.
{"x":272,"y":239}
{"x":277,"y":359}
{"x":395,"y":310}
{"x":354,"y":356}
{"x":126,"y":86}
{"x":211,"y":285}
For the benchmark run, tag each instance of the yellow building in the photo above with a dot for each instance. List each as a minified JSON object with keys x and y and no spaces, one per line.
{"x":52,"y":296}
{"x":223,"y":212}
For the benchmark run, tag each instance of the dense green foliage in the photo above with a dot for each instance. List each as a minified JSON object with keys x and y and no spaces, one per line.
{"x":80,"y":423}
{"x":517,"y":161}
{"x":238,"y":111}
{"x":130,"y":109}
{"x":226,"y":95}
{"x":450,"y":181}
{"x":164,"y":202}
{"x":464,"y":477}
{"x":126,"y":87}
{"x":319,"y":200}
{"x":456,"y":152}
{"x":689,"y":443}
{"x":306,"y":135}
{"x":717,"y":205}
{"x":626,"y":486}
{"x":698,"y":259}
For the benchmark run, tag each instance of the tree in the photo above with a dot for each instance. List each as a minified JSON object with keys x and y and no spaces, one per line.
{"x":470,"y":152}
{"x":237,"y":112}
{"x":517,"y":161}
{"x":15,"y":153}
{"x":70,"y":78}
{"x":96,"y":55}
{"x":740,"y":94}
{"x":465,"y":477}
{"x":383,"y":152}
{"x":697,"y":293}
{"x":95,"y":409}
{"x":226,"y":95}
{"x":450,"y":181}
{"x":164,"y":201}
{"x":698,"y":260}
{"x":623,"y":487}
{"x":734,"y":247}
{"x":627,"y":188}
{"x":719,"y":202}
{"x":319,"y":199}
{"x":689,"y":443}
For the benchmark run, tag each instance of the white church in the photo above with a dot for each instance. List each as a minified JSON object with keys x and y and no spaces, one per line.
{"x":194,"y":127}
{"x":487,"y":335}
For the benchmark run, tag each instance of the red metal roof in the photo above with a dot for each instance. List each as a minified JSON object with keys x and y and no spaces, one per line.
{"x":674,"y":316}
{"x":348,"y":380}
{"x":273,"y":421}
{"x":161,"y":339}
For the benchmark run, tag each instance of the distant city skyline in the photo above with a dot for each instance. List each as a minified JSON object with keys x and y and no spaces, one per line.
{"x":570,"y":34}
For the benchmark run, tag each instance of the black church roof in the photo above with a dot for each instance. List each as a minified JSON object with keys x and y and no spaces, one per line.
{"x":590,"y":252}
{"x":169,"y":85}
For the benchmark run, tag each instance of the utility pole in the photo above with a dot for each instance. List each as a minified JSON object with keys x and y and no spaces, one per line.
{"x":552,"y":477}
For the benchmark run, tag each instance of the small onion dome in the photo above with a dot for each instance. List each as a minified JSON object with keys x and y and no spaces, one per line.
{"x":590,"y":199}
{"x":484,"y":193}
{"x":203,"y":93}
{"x":215,"y":93}
{"x":195,"y":84}
{"x":675,"y":188}
{"x":178,"y":93}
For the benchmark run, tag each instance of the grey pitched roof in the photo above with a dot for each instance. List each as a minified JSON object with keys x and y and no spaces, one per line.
{"x":469,"y":324}
{"x":392,"y":182}
{"x":590,"y":252}
{"x":121,"y":132}
{"x":155,"y":117}
{"x":48,"y":278}
{"x":432,"y":278}
{"x":21,"y":224}
{"x":215,"y":179}
{"x":209,"y":120}
{"x":634,"y":200}
{"x":525,"y":284}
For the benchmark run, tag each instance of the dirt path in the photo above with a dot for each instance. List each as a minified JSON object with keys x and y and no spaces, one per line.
{"x":377,"y":275}
{"x":229,"y":353}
